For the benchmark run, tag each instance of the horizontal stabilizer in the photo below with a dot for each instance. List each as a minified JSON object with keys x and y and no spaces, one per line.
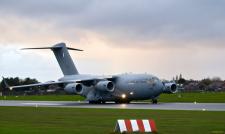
{"x":63,"y":57}
{"x":59,"y":45}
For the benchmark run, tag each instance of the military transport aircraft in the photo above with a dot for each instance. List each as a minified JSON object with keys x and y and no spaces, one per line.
{"x":121,"y":88}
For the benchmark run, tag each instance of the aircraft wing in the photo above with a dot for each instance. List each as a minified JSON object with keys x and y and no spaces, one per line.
{"x":38,"y":84}
{"x":86,"y":81}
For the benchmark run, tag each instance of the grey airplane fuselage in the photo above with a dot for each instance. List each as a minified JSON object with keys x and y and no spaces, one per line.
{"x":127,"y":87}
{"x":99,"y":89}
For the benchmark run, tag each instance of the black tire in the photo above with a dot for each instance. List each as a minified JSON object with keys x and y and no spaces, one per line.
{"x":122,"y":102}
{"x":94,"y":102}
{"x":154,"y":101}
{"x":97,"y":102}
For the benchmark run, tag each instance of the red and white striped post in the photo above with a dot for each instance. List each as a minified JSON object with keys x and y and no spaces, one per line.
{"x":144,"y":125}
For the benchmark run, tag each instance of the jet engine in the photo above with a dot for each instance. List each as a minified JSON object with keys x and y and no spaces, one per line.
{"x":74,"y":88}
{"x":170,"y":88}
{"x":105,"y":86}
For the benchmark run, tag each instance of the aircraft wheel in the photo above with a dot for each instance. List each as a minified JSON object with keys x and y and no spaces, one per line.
{"x":118,"y":102}
{"x":154,"y":101}
{"x":122,"y":102}
{"x":98,"y":102}
{"x":94,"y":102}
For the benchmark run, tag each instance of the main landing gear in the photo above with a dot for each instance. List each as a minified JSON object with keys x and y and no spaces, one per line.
{"x":154,"y":101}
{"x":97,"y":102}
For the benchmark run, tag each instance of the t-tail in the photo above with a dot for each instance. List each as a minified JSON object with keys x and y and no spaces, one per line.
{"x":63,"y":57}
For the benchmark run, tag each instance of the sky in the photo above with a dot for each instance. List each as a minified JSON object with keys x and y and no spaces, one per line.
{"x":163,"y":38}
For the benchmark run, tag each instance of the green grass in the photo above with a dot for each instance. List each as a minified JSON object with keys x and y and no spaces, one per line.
{"x":22,"y":120}
{"x":44,"y":97}
{"x":207,"y":97}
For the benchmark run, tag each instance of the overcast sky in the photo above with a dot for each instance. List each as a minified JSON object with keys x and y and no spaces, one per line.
{"x":159,"y":37}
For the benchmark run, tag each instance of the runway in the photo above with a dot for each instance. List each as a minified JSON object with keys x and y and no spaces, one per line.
{"x":133,"y":105}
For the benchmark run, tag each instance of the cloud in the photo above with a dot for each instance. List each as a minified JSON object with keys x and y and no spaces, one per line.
{"x":14,"y":63}
{"x":161,"y":37}
{"x":177,"y":22}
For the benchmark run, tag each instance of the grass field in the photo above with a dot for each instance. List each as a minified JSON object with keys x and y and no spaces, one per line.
{"x":207,"y":97}
{"x":44,"y":97}
{"x":31,"y":120}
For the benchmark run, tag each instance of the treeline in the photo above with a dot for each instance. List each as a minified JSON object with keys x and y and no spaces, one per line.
{"x":207,"y":84}
{"x":53,"y":89}
{"x":15,"y":82}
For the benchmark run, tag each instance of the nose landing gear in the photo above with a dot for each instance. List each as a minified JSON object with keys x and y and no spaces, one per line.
{"x":122,"y":101}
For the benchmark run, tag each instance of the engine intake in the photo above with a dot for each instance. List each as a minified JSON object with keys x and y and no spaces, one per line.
{"x":170,"y":88}
{"x":105,"y":86}
{"x":74,"y":88}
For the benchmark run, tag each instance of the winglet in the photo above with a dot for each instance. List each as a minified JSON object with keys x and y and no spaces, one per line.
{"x":6,"y":84}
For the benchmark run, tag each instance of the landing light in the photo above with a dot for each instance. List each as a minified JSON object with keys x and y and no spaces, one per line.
{"x":123,"y":96}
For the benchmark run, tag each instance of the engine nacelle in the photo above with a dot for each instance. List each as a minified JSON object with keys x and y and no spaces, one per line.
{"x":74,"y":88}
{"x":105,"y":86}
{"x":170,"y":88}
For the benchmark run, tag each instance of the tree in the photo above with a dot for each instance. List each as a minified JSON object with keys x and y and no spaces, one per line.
{"x":27,"y":81}
{"x":206,"y":81}
{"x":176,"y":78}
{"x":181,"y":81}
{"x":180,"y":76}
{"x":15,"y":82}
{"x":216,"y":79}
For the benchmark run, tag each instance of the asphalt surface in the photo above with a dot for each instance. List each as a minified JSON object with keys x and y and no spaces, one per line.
{"x":133,"y":105}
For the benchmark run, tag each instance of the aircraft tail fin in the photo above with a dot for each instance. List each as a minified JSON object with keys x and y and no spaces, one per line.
{"x":63,"y":57}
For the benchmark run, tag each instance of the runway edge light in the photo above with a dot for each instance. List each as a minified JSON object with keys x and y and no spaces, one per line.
{"x":135,"y":125}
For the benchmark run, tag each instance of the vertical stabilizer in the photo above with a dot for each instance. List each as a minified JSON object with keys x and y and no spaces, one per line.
{"x":63,"y":57}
